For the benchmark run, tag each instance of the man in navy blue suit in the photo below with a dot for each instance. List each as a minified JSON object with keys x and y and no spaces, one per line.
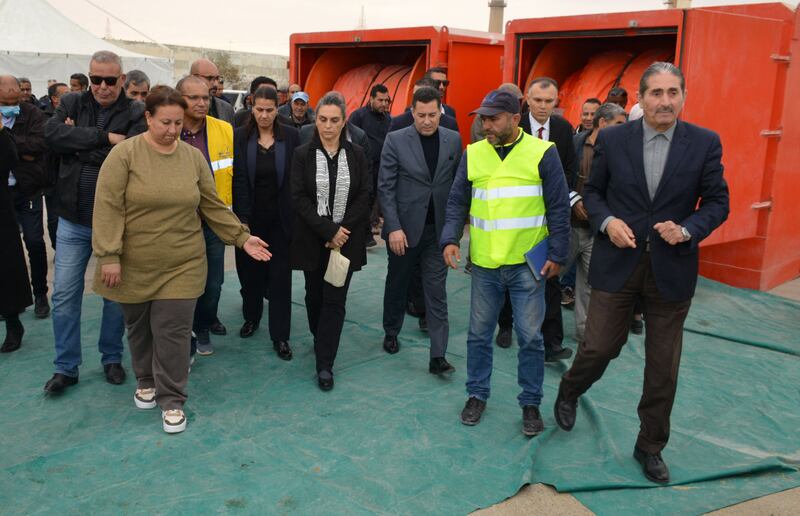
{"x":655,"y":191}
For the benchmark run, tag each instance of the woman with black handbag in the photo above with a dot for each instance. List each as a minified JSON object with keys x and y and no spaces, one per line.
{"x":330,"y":190}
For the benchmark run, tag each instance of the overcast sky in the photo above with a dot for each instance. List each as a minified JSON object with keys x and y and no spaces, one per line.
{"x":265,"y":25}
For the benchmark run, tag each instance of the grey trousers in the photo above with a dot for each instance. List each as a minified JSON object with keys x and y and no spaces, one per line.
{"x":434,"y":286}
{"x":159,"y":336}
{"x":580,"y":253}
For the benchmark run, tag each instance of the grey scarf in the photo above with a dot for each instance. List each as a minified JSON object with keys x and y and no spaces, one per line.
{"x":342,"y":187}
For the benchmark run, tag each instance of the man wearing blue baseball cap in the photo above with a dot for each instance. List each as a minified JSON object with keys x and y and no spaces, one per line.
{"x":513,"y":187}
{"x":300,"y":113}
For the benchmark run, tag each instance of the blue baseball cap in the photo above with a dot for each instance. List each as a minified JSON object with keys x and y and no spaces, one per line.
{"x":498,"y":101}
{"x":300,"y":95}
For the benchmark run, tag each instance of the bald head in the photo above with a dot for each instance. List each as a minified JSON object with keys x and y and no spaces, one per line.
{"x":188,"y":81}
{"x":206,"y":69}
{"x":9,"y":91}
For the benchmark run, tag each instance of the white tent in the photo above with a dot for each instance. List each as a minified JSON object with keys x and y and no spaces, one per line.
{"x":40,"y":43}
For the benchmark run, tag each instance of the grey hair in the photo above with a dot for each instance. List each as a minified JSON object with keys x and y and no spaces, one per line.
{"x":136,"y":77}
{"x":187,"y":79}
{"x":333,"y":98}
{"x":106,"y":56}
{"x":20,"y":80}
{"x":608,"y":112}
{"x":660,"y":67}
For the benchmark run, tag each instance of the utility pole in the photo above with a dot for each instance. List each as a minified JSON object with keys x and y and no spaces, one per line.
{"x":496,"y":8}
{"x":678,"y":4}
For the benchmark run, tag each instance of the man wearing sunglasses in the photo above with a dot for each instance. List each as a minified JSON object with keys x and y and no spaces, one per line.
{"x":439,"y":75}
{"x":82,"y":131}
{"x":217,"y":108}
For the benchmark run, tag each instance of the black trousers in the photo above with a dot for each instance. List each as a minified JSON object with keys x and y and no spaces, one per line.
{"x":51,"y":202}
{"x":325,"y":306}
{"x":553,"y":324}
{"x":607,"y":326}
{"x":277,"y":273}
{"x":29,"y":217}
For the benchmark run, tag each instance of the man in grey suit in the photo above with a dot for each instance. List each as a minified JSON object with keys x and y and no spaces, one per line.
{"x":418,"y":165}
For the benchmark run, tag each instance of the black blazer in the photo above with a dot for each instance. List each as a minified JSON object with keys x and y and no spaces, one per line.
{"x":244,"y":174}
{"x":617,"y":187}
{"x":561,"y":134}
{"x":311,"y":231}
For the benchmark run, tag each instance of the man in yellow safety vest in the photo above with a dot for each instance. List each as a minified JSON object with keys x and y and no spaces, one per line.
{"x":516,"y":193}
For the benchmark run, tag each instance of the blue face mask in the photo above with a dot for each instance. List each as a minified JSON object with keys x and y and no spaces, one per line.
{"x":9,"y":111}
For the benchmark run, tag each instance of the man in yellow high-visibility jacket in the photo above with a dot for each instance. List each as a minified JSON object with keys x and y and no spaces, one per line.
{"x":516,"y":193}
{"x":214,"y":138}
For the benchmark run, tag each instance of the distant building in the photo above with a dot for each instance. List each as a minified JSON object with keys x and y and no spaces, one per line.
{"x":250,"y":64}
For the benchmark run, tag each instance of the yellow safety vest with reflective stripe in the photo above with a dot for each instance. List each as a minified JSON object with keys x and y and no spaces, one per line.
{"x":220,"y":155}
{"x":507,"y":212}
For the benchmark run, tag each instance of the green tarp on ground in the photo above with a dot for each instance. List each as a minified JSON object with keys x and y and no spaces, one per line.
{"x":263,"y":439}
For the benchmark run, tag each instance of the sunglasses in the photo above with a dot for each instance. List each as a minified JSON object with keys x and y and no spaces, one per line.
{"x":444,"y":83}
{"x":97,"y":80}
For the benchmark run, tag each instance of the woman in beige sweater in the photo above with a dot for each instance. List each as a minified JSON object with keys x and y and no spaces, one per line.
{"x":152,"y":192}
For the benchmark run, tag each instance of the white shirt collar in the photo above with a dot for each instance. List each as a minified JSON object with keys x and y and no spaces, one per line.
{"x":535,"y":125}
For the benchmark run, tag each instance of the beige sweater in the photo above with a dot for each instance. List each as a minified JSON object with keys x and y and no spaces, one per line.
{"x":147,"y":213}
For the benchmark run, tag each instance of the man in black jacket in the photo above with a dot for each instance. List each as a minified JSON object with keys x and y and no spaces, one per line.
{"x":51,"y":163}
{"x":374,"y":119}
{"x":543,"y":124}
{"x":27,"y":181}
{"x":83,"y":130}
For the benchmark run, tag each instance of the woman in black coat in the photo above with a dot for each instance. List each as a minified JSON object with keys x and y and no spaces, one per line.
{"x":338,"y":219}
{"x":15,"y":289}
{"x":262,"y":199}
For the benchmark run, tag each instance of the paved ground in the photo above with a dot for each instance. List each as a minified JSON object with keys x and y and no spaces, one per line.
{"x":543,"y":499}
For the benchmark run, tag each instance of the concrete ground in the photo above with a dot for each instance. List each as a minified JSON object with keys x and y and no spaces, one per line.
{"x":543,"y":499}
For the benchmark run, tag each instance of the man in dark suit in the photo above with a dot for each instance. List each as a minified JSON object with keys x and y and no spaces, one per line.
{"x":418,"y":165}
{"x":541,"y":123}
{"x":439,"y":76}
{"x":642,"y":197}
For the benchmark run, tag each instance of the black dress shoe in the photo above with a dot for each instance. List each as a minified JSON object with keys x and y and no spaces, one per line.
{"x":556,"y":353}
{"x":248,"y":329}
{"x":412,"y":310}
{"x":217,"y":328}
{"x":423,"y":323}
{"x":637,"y":326}
{"x":391,"y":345}
{"x":14,"y":333}
{"x":282,"y":349}
{"x":115,"y":374}
{"x":40,"y":307}
{"x":503,"y":337}
{"x":565,"y":411}
{"x":59,"y":382}
{"x":325,"y":380}
{"x":653,"y":466}
{"x":472,"y":412}
{"x":531,"y":421}
{"x":440,"y":365}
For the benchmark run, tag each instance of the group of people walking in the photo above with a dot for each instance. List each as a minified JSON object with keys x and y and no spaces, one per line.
{"x":157,"y":189}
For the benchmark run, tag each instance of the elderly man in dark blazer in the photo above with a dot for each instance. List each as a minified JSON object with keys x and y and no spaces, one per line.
{"x":655,"y":191}
{"x":418,"y":165}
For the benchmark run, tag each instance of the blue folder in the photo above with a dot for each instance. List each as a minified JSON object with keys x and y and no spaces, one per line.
{"x":536,"y":258}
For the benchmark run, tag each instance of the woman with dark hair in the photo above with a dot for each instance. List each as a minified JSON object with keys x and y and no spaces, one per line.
{"x":15,"y":289}
{"x":330,"y":189}
{"x":152,"y":192}
{"x":262,"y":199}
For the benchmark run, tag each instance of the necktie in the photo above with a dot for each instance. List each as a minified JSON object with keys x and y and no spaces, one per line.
{"x":541,"y":131}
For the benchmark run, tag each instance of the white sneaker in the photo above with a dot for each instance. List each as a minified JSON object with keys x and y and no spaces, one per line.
{"x":145,"y":398}
{"x":174,"y":421}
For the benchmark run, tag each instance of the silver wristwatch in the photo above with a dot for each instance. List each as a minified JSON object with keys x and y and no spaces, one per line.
{"x":685,"y":233}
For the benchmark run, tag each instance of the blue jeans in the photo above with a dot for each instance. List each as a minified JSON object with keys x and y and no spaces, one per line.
{"x":72,"y":257}
{"x":206,"y":309}
{"x":527,"y":299}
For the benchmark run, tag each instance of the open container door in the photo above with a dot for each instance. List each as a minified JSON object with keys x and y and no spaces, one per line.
{"x":731,"y":83}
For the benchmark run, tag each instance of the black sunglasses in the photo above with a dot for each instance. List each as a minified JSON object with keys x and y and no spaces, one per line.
{"x":444,"y":83}
{"x":97,"y":80}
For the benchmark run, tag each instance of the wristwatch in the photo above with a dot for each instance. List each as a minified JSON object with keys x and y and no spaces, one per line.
{"x":685,"y":233}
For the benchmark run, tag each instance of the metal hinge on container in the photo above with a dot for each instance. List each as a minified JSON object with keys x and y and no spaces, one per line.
{"x":771,"y":133}
{"x":761,"y":205}
{"x":781,"y":58}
